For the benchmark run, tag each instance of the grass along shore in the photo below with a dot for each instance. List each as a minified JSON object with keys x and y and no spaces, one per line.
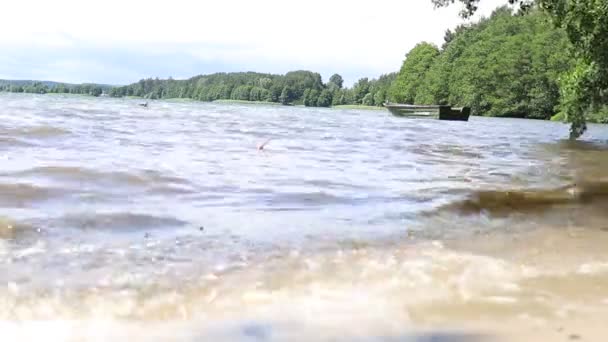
{"x":363,"y":107}
{"x":247,"y":102}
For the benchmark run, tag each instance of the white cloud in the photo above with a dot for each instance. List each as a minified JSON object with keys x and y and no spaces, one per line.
{"x":264,"y":35}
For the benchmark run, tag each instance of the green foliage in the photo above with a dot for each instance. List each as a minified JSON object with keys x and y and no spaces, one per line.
{"x":311,"y":97}
{"x":584,"y":90}
{"x":368,"y":100}
{"x":240,"y":93}
{"x":379,"y":88}
{"x":559,"y":117}
{"x":287,"y":95}
{"x":470,"y":6}
{"x":360,"y":89}
{"x":510,"y":67}
{"x":43,"y":87}
{"x":295,"y":87}
{"x":260,"y":94}
{"x":339,"y":98}
{"x":505,"y":65}
{"x":599,"y":116}
{"x":412,"y":73}
{"x":301,"y":80}
{"x":325,"y":98}
{"x":337,"y":80}
{"x":96,"y":91}
{"x":307,"y":98}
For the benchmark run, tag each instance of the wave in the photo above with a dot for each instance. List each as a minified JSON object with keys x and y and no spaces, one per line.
{"x":13,"y":142}
{"x":304,"y":199}
{"x":531,"y":201}
{"x":10,"y":228}
{"x":22,"y":194}
{"x":43,"y":131}
{"x":407,"y":283}
{"x":154,"y":179}
{"x":125,"y":221}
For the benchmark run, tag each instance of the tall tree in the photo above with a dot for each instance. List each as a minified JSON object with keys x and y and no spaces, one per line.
{"x":286,"y":95}
{"x":415,"y":66}
{"x":324,"y":99}
{"x":337,"y":80}
{"x":360,"y":89}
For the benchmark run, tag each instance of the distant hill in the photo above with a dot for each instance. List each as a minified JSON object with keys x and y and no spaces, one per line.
{"x":43,"y":87}
{"x":49,"y":84}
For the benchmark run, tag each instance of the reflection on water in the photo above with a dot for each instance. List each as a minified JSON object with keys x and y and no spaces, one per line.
{"x":166,"y":223}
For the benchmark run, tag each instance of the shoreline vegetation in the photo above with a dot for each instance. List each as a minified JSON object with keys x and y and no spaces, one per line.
{"x":50,"y":87}
{"x":584,"y":83}
{"x":504,"y":65}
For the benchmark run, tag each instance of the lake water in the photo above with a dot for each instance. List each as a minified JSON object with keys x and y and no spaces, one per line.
{"x":167,"y":223}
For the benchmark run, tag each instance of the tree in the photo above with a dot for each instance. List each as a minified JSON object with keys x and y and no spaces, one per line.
{"x":259,"y":94}
{"x":306,"y":98}
{"x":470,"y":6}
{"x":584,"y":90}
{"x":368,"y":99}
{"x":96,"y":91}
{"x":380,"y":87}
{"x":16,"y":89}
{"x":241,"y":93}
{"x":339,"y":97}
{"x":286,"y":95}
{"x":415,"y":66}
{"x":313,"y":97}
{"x":504,"y":65}
{"x":300,"y":80}
{"x":324,"y":99}
{"x":337,"y":80}
{"x":360,"y":89}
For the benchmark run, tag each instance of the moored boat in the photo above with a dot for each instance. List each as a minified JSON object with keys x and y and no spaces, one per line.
{"x":429,"y":111}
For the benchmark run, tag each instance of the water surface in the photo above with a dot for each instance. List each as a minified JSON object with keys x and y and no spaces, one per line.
{"x":167,"y":223}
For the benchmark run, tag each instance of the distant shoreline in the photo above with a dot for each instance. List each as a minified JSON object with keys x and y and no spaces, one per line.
{"x":186,"y":99}
{"x":554,"y":118}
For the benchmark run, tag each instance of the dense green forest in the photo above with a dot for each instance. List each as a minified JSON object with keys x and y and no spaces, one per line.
{"x":505,"y":65}
{"x":295,"y":87}
{"x":511,"y":64}
{"x":583,"y":88}
{"x":44,"y":87}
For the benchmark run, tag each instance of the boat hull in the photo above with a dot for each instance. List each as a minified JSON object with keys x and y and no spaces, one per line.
{"x":430,"y":112}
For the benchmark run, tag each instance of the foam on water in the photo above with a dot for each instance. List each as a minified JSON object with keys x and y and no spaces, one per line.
{"x":360,"y":293}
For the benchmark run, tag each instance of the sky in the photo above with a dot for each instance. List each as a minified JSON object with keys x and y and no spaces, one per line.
{"x":122,"y":41}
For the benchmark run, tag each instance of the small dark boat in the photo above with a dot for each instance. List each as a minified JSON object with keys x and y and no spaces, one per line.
{"x":431,"y":111}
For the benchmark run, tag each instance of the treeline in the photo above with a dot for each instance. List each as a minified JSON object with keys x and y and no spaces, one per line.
{"x":511,"y":64}
{"x":295,"y":87}
{"x":506,"y":65}
{"x":38,"y":87}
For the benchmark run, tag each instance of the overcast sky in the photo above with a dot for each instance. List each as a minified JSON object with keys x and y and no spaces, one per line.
{"x":122,"y":41}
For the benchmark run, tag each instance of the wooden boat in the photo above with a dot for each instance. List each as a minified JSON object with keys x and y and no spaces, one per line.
{"x":431,"y":111}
